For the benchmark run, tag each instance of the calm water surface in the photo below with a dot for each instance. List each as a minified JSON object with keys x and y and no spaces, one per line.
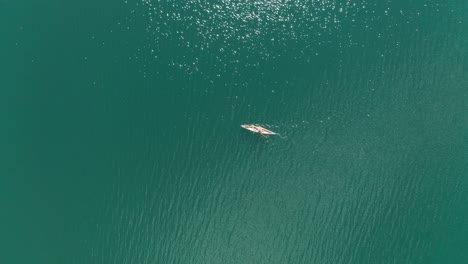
{"x":121,"y":138}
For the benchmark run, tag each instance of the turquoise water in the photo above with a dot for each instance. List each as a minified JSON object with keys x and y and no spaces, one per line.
{"x":121,"y":138}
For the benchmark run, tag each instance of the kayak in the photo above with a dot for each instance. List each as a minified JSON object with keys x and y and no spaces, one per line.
{"x":258,"y":129}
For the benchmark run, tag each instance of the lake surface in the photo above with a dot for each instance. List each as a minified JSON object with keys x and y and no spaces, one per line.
{"x":121,"y":139}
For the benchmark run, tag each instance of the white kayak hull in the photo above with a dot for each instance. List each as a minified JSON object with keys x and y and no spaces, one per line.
{"x":258,"y":129}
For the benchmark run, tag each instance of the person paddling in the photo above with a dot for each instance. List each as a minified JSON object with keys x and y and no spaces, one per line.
{"x":261,"y":134}
{"x":258,"y":129}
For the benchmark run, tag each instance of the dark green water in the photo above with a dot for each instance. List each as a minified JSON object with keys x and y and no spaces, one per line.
{"x":121,"y":142}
